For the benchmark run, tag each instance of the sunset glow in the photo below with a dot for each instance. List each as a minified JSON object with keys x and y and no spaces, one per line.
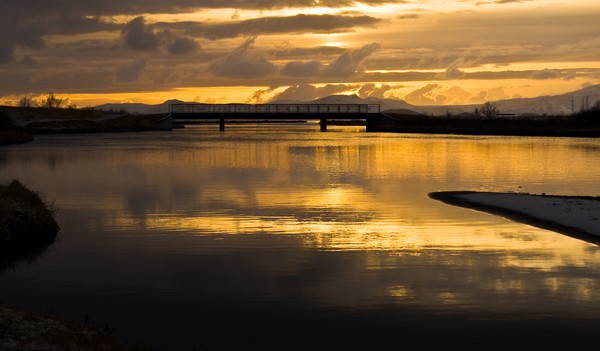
{"x":208,"y":51}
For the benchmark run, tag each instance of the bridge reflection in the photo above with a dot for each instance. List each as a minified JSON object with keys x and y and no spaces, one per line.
{"x":322,"y":112}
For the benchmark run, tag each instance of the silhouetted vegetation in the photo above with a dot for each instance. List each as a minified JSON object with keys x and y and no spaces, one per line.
{"x":583,"y":125}
{"x":9,"y":133}
{"x":21,"y":330}
{"x":489,"y":110}
{"x":589,"y":111}
{"x":50,"y":101}
{"x":25,"y":102}
{"x":27,"y":224}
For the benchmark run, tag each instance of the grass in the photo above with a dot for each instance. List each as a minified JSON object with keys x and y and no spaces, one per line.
{"x":20,"y":330}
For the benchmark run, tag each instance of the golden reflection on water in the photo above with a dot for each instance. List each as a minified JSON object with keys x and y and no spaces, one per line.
{"x":344,"y":193}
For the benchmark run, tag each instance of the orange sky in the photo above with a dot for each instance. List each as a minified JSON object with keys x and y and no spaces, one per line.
{"x":422,"y":51}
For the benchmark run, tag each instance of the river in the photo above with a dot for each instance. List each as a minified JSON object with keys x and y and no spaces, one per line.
{"x":280,"y":235}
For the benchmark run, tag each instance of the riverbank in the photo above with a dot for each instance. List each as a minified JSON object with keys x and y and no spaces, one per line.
{"x":576,"y":216}
{"x":555,"y":126}
{"x":20,"y":330}
{"x":27,"y":224}
{"x":54,"y":120}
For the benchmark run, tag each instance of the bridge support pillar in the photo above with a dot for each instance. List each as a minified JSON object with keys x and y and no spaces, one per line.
{"x":323,"y":124}
{"x":222,"y":124}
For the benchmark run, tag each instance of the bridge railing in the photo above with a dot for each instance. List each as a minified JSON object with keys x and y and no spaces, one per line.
{"x":274,"y":108}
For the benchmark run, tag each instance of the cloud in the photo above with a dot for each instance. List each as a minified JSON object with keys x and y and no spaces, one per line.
{"x":545,"y":74}
{"x":453,"y":73}
{"x":308,"y":92}
{"x":257,"y":97}
{"x":302,"y":23}
{"x":138,"y":36}
{"x":120,"y":7}
{"x":456,"y":95}
{"x":130,"y":72}
{"x":292,"y":53}
{"x":372,"y":90}
{"x":241,"y":64}
{"x":349,"y":63}
{"x":481,"y":97}
{"x":179,"y":44}
{"x":302,"y":69}
{"x":422,"y":96}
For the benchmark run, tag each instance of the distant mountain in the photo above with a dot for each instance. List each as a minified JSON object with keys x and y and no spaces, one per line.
{"x":137,"y":108}
{"x":563,"y":104}
{"x":544,"y":105}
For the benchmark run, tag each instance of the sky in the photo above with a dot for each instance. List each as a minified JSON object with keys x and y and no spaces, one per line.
{"x":426,"y":52}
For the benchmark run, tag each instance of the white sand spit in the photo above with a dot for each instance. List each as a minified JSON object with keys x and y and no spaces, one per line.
{"x":579,"y":213}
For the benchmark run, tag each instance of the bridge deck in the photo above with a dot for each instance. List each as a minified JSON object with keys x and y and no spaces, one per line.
{"x":323,"y":112}
{"x":275,"y":111}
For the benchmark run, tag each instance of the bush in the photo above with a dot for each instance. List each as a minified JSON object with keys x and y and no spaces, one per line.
{"x":27,"y":224}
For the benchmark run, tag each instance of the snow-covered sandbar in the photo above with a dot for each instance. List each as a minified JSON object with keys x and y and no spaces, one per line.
{"x":573,"y":215}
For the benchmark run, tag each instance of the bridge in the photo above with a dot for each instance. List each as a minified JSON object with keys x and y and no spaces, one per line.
{"x":322,"y":112}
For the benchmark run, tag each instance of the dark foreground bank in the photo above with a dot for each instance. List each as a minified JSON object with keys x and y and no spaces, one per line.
{"x":59,"y":120}
{"x":27,"y":229}
{"x":27,"y":224}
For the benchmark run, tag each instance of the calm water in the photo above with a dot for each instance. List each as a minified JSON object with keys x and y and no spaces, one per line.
{"x":280,"y":235}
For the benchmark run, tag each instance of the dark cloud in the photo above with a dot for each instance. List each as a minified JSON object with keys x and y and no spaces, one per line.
{"x":138,"y":36}
{"x":120,"y":7}
{"x":452,"y":73}
{"x":347,"y":64}
{"x":302,"y":53}
{"x":545,"y":74}
{"x":240,"y":63}
{"x":130,"y":72}
{"x":7,"y":47}
{"x":499,"y":2}
{"x":179,"y":44}
{"x":302,"y":69}
{"x":301,"y":23}
{"x":409,"y":16}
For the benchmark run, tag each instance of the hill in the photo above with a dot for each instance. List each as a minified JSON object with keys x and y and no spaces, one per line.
{"x":563,"y":104}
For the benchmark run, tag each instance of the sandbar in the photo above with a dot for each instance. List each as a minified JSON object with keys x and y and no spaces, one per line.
{"x":576,"y":216}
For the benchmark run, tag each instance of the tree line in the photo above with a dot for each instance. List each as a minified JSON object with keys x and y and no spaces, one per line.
{"x":48,"y":101}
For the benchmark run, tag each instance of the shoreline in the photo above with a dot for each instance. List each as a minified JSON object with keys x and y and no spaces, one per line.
{"x":543,"y":126}
{"x":575,"y":216}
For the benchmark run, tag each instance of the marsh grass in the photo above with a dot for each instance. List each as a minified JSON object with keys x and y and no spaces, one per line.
{"x":24,"y":330}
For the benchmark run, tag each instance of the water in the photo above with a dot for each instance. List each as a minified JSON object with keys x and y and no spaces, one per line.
{"x":279,"y":235}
